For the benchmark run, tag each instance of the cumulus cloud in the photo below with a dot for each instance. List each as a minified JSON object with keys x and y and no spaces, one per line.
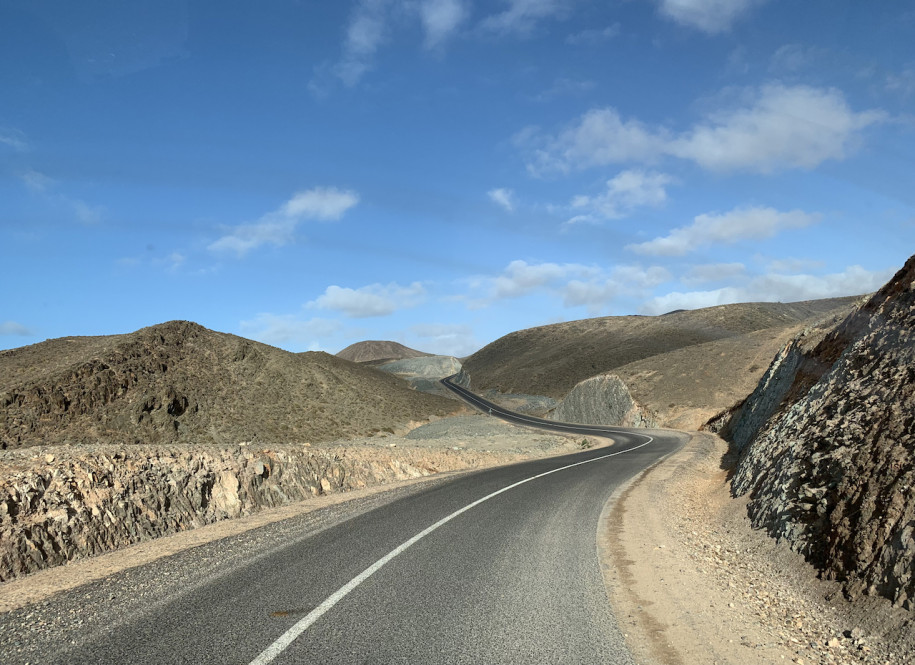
{"x":710,"y":16}
{"x":503,"y":197}
{"x":713,"y":272}
{"x":522,"y":16}
{"x":625,"y":192}
{"x":369,"y":301}
{"x":278,"y":227}
{"x":774,"y":127}
{"x":440,"y":19}
{"x":854,"y":280}
{"x":574,"y":284}
{"x":13,"y":329}
{"x":446,"y":339}
{"x":793,"y":127}
{"x":365,"y":33}
{"x":281,"y":329}
{"x":728,"y":228}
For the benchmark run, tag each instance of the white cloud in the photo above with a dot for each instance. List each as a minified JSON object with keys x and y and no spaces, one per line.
{"x":599,"y":138}
{"x":37,"y":182}
{"x":446,"y":339}
{"x":785,"y":127}
{"x":594,"y":35}
{"x":854,"y":280}
{"x":713,"y":272}
{"x":440,"y":19}
{"x":86,"y":213}
{"x":42,"y":185}
{"x":710,"y":16}
{"x":278,"y":227}
{"x":793,"y":58}
{"x":365,"y":33}
{"x":522,"y":16}
{"x":14,"y":139}
{"x":370,"y":27}
{"x":289,"y":329}
{"x":625,"y":192}
{"x":574,"y":284}
{"x":369,"y":301}
{"x":14,"y":329}
{"x":503,"y":197}
{"x":775,"y":127}
{"x":728,"y":228}
{"x":902,"y":82}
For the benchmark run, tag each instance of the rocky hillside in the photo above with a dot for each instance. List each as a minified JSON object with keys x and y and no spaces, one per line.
{"x":550,"y":360}
{"x":602,"y":400}
{"x":181,"y":383}
{"x":362,"y":352}
{"x":423,"y":373}
{"x":827,"y":443}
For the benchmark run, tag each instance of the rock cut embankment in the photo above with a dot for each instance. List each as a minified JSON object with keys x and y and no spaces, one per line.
{"x":70,"y":503}
{"x":827,"y":446}
{"x":602,"y":400}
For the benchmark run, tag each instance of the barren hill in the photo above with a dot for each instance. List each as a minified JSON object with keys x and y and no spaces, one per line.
{"x":550,"y":360}
{"x":826,"y":444}
{"x":179,"y":382}
{"x":369,"y":351}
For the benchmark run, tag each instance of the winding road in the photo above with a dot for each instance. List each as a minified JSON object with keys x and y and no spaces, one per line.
{"x":496,"y":566}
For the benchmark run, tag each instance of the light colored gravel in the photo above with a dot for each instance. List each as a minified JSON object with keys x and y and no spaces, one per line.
{"x":692,"y":582}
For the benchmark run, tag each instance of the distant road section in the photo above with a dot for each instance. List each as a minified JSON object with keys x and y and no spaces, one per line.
{"x":494,"y":409}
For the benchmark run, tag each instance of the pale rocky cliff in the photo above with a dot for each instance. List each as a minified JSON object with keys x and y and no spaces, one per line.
{"x":602,"y":400}
{"x":827,"y":446}
{"x":68,"y":503}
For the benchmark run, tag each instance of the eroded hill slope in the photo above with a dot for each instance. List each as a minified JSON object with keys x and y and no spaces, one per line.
{"x":372,"y":350}
{"x":550,"y":360}
{"x":180,"y":383}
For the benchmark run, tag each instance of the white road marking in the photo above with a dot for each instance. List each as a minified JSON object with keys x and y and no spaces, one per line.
{"x":287,"y":638}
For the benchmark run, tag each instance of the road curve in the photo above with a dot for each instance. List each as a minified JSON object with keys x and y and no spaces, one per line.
{"x":498,"y":566}
{"x":497,"y":411}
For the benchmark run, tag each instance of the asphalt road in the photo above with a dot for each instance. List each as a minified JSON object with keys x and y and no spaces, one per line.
{"x":505,"y":570}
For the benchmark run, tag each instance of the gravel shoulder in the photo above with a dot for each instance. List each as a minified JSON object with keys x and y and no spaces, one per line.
{"x":692,"y":582}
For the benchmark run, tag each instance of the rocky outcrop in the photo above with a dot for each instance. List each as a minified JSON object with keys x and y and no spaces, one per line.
{"x":65,"y":504}
{"x":424,"y":374}
{"x":430,"y":367}
{"x":828,"y":443}
{"x":602,"y":400}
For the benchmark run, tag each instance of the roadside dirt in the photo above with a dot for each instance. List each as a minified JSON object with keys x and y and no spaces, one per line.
{"x":692,"y":582}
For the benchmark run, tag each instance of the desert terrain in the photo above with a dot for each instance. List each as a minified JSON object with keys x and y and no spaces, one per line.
{"x":127,"y":450}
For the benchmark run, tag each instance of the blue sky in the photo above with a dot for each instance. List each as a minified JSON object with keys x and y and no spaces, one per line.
{"x":443,"y":172}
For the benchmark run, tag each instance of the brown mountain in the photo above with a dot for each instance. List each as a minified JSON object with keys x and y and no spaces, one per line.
{"x":550,"y":360}
{"x":362,"y":352}
{"x":179,"y":382}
